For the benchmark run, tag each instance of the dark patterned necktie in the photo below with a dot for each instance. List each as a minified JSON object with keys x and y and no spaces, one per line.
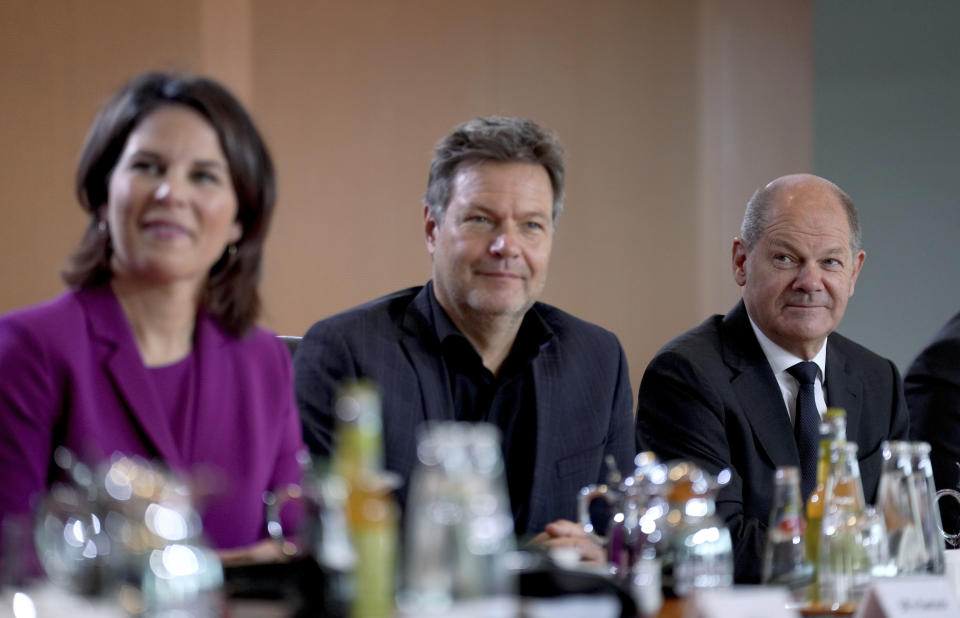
{"x":806,"y":427}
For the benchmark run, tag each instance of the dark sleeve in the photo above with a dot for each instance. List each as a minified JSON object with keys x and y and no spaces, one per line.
{"x":322,"y":361}
{"x":681,"y":416}
{"x":933,"y":396}
{"x":621,"y":441}
{"x":29,"y":405}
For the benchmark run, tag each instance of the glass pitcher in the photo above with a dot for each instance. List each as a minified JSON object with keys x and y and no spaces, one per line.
{"x":459,"y":527}
{"x":636,"y":532}
{"x":907,"y":503}
{"x":952,"y":539}
{"x":637,"y":505}
{"x":610,"y":492}
{"x":702,"y":549}
{"x":310,"y":520}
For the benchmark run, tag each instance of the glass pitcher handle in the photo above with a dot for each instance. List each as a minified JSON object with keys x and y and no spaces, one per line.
{"x":273,"y":501}
{"x":953,"y":540}
{"x":587,"y":495}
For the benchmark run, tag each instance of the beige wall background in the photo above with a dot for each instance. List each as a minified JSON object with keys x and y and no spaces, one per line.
{"x":672,"y":113}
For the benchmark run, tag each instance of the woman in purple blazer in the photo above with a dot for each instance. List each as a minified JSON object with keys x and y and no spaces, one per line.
{"x":154,"y":351}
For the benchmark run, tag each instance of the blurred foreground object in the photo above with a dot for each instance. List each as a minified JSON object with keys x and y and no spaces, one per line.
{"x":128,"y":529}
{"x":459,"y":530}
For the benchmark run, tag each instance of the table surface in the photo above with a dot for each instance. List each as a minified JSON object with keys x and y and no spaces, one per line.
{"x":672,"y":608}
{"x":249,"y":608}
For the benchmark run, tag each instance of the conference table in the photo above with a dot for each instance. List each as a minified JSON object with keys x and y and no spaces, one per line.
{"x":250,"y":608}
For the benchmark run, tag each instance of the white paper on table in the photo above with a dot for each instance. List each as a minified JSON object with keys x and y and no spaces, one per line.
{"x":914,"y":596}
{"x":741,"y":602}
{"x":953,"y":570}
{"x":573,"y":606}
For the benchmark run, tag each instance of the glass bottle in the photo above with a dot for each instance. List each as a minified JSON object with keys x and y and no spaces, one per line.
{"x":785,"y":561}
{"x":372,"y":519}
{"x":359,"y":448}
{"x":833,"y":428}
{"x":848,"y":534}
{"x":459,"y":528}
{"x":371,"y":511}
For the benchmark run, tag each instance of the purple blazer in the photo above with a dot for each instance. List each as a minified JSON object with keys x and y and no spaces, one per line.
{"x":71,"y":374}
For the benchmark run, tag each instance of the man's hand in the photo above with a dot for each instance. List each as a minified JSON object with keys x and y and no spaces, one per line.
{"x":567,"y":534}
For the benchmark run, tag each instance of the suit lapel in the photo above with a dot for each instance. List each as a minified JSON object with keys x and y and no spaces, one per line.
{"x":546,"y":369}
{"x":422,"y":349}
{"x":757,"y":389}
{"x":122,"y":363}
{"x":844,"y":389}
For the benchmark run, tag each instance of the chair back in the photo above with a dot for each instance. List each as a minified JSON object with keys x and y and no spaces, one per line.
{"x":291,"y":342}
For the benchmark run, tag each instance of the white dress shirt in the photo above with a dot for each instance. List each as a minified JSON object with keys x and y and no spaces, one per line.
{"x":780,"y":360}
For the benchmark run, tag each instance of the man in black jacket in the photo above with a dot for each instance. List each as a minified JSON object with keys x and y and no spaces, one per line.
{"x":932,"y":386}
{"x":724,"y":394}
{"x":474,"y":344}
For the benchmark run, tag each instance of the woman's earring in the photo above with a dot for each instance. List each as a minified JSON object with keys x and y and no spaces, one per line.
{"x":101,"y":226}
{"x":232,"y":250}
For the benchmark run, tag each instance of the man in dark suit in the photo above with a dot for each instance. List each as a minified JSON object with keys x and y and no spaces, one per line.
{"x":932,"y":386}
{"x":474,"y":344}
{"x":724,"y":395}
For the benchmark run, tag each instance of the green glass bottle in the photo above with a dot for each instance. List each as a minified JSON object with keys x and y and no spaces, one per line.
{"x":833,"y":428}
{"x":371,"y":510}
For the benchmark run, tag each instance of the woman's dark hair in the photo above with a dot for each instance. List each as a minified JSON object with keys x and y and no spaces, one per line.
{"x":230,"y":294}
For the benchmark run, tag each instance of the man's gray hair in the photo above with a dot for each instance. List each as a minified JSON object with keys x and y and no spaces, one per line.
{"x":755,"y":218}
{"x":493,"y":138}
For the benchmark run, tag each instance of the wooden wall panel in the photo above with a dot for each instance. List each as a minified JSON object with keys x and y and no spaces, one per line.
{"x":351,"y":96}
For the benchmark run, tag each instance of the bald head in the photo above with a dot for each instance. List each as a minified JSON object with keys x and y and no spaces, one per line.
{"x":788,"y":188}
{"x":798,"y":260}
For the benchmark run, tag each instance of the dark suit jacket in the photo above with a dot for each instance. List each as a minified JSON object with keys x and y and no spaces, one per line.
{"x":710,"y":396}
{"x":932,"y":386}
{"x":71,"y":374}
{"x":583,"y":396}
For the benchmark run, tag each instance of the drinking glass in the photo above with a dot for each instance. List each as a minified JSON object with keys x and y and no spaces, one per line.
{"x":459,"y":526}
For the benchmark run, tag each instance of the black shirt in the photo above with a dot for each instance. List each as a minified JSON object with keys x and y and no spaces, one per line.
{"x":507,"y":400}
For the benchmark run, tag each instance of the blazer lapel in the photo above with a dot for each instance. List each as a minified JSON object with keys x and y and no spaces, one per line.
{"x":546,"y":369}
{"x":844,"y":389}
{"x":757,"y":389}
{"x":122,"y":362}
{"x":423,"y":352}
